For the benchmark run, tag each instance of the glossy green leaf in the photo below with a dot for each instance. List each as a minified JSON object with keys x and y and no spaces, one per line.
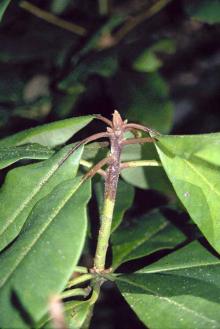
{"x":3,"y":6}
{"x":179,"y":291}
{"x":26,"y":185}
{"x":43,"y":257}
{"x":9,"y":155}
{"x":146,"y":235}
{"x":50,"y":134}
{"x":122,"y":203}
{"x":150,"y":177}
{"x":192,"y":165}
{"x":205,"y":11}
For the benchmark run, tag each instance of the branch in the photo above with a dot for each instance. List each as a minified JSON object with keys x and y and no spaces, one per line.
{"x":53,"y":19}
{"x":132,"y":22}
{"x":89,"y":164}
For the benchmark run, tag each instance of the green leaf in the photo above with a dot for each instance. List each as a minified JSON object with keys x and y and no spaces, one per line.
{"x":145,"y":177}
{"x":57,"y":6}
{"x":148,"y":61}
{"x":26,"y":185}
{"x":179,"y":291}
{"x":121,"y":203}
{"x":51,"y":134}
{"x":43,"y":257}
{"x":78,"y":313}
{"x":35,"y":110}
{"x":9,"y":155}
{"x":63,"y":104}
{"x":3,"y":6}
{"x":192,"y":165}
{"x":205,"y":11}
{"x":75,"y":312}
{"x":104,"y":66}
{"x":150,"y":233}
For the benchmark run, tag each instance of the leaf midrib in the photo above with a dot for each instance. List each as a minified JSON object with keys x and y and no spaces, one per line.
{"x":174,"y":268}
{"x":34,"y":241}
{"x":31,"y":196}
{"x":169,"y":300}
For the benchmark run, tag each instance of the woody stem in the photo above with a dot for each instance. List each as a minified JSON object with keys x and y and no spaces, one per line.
{"x":111,"y":182}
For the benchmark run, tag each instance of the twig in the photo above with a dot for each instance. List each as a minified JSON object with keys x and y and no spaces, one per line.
{"x":84,"y":292}
{"x":111,"y":182}
{"x":97,"y":168}
{"x":132,"y":22}
{"x":140,"y":163}
{"x":138,"y":140}
{"x":81,"y":269}
{"x":79,"y":279}
{"x":53,"y":19}
{"x":89,"y":164}
{"x":103,"y":7}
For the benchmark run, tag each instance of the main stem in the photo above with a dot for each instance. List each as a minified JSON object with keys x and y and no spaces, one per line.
{"x":111,"y":182}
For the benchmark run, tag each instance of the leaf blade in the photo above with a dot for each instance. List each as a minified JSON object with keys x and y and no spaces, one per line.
{"x":26,"y":185}
{"x":10,"y":155}
{"x":191,"y":164}
{"x":169,"y":296}
{"x":148,"y":234}
{"x":51,"y":134}
{"x":41,"y":249}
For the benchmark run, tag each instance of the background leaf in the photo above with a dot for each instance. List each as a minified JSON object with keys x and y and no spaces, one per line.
{"x":3,"y":6}
{"x":205,"y":11}
{"x":26,"y":185}
{"x":42,"y":259}
{"x":145,"y":177}
{"x":192,"y":165}
{"x":143,"y":98}
{"x":147,"y":234}
{"x":180,"y":290}
{"x":51,"y":134}
{"x":148,"y":60}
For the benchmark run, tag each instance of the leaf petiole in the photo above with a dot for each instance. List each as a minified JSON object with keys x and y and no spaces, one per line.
{"x":84,"y":292}
{"x":80,"y":279}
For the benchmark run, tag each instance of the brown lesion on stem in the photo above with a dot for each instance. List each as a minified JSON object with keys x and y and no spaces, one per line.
{"x":115,"y":134}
